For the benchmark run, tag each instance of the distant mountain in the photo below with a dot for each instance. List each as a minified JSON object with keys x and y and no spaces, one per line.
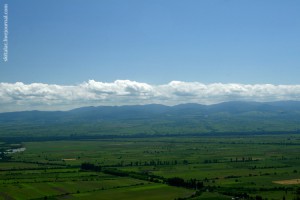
{"x":235,"y":116}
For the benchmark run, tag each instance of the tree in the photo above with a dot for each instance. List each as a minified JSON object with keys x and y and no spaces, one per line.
{"x":90,"y":166}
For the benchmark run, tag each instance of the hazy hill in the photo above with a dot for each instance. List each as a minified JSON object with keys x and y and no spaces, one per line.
{"x":156,"y":119}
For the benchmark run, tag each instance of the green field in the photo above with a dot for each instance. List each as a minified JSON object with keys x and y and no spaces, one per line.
{"x":141,"y":168}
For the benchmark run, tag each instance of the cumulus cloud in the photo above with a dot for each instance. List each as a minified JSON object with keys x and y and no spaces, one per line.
{"x":20,"y":96}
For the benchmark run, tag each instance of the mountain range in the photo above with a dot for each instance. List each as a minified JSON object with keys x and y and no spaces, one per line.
{"x":234,"y":116}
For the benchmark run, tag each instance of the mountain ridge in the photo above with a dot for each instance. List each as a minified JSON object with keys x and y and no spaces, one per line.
{"x":289,"y":103}
{"x":233,"y":107}
{"x":237,"y":116}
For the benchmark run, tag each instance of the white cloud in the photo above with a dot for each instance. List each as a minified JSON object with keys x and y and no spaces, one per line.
{"x":20,"y":96}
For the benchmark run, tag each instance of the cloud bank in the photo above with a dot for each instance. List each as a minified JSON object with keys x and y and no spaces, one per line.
{"x":20,"y":96}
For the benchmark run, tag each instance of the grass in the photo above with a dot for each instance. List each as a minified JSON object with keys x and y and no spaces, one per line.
{"x":147,"y":192}
{"x":227,"y":166}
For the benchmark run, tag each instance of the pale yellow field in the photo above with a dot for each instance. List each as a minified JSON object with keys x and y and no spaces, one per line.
{"x":288,"y":182}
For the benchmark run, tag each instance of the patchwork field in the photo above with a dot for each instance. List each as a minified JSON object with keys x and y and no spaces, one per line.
{"x":219,"y":167}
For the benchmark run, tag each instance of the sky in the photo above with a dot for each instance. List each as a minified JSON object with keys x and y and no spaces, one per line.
{"x":64,"y":54}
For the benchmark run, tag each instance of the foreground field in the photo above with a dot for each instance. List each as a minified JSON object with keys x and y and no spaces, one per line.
{"x":249,"y":167}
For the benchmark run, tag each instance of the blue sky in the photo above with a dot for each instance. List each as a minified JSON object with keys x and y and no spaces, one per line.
{"x":64,"y":54}
{"x":153,"y":41}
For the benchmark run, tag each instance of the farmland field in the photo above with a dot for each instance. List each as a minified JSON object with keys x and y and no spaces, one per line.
{"x":211,"y":167}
